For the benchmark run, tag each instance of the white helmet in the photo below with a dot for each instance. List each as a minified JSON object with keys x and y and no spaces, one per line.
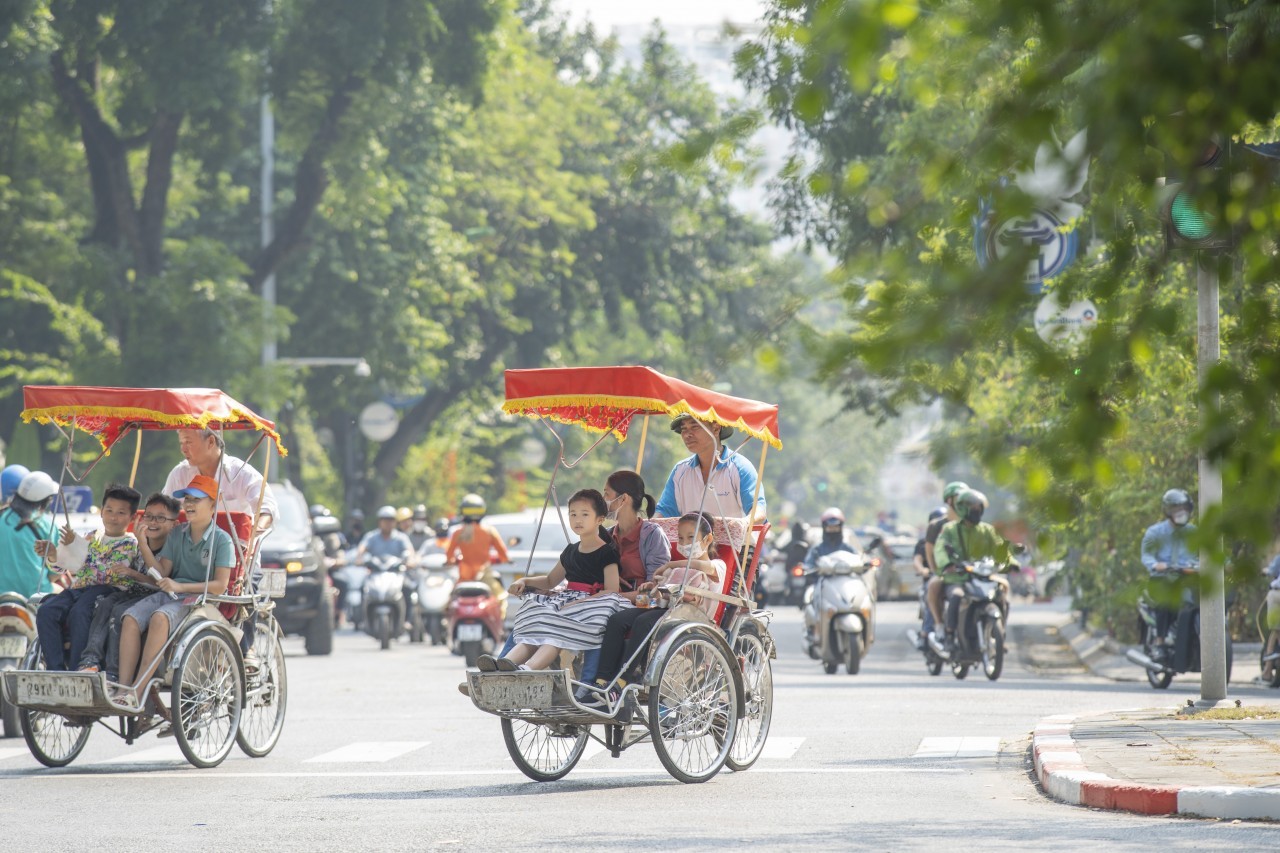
{"x":37,"y":487}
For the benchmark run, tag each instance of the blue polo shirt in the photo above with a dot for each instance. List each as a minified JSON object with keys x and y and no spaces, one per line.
{"x":191,"y":559}
{"x":731,"y":488}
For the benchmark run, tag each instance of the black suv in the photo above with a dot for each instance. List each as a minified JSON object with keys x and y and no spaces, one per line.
{"x":307,"y":606}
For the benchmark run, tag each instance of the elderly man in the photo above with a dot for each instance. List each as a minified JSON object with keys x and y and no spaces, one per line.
{"x":239,"y":488}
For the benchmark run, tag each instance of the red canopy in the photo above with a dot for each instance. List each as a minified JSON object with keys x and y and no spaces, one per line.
{"x":107,"y":413}
{"x":602,"y":397}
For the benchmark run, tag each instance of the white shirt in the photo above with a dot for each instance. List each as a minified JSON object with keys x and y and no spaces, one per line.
{"x":238,"y":485}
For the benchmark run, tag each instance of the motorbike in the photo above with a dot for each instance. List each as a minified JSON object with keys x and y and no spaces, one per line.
{"x":839,"y":612}
{"x":1181,"y":653}
{"x":17,"y":633}
{"x":385,"y":603}
{"x":473,"y":621}
{"x":980,"y":626}
{"x":932,"y":662}
{"x":1270,"y":650}
{"x":348,"y":578}
{"x":435,"y":588}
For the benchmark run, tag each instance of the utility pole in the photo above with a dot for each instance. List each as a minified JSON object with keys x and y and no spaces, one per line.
{"x":1213,"y":621}
{"x":268,"y":136}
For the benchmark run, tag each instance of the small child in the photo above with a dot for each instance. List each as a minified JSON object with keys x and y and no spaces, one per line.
{"x":695,"y":542}
{"x":96,"y":568}
{"x":573,"y":618}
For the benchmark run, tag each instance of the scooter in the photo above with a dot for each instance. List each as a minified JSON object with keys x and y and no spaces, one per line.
{"x":413,"y":579}
{"x":980,"y":624}
{"x":932,"y":662}
{"x":435,"y":588}
{"x":385,"y":607}
{"x":17,"y":633}
{"x":473,"y":621}
{"x":349,"y":577}
{"x":1181,"y":651}
{"x":839,"y":612}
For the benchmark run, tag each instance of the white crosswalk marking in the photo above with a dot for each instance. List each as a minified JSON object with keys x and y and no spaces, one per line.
{"x":12,"y":752}
{"x":781,"y":747}
{"x":165,"y":752}
{"x":368,"y":752}
{"x":957,"y":747}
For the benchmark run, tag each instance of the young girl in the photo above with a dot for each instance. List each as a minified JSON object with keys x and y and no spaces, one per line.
{"x":696,"y":544}
{"x":573,"y":618}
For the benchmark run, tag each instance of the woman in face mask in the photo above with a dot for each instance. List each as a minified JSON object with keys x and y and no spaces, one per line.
{"x":642,"y":546}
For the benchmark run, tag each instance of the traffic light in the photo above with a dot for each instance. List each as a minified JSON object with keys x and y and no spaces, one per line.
{"x":1187,"y":208}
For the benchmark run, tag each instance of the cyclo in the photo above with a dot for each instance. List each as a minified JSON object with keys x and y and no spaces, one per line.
{"x":215,"y":704}
{"x":706,"y":697}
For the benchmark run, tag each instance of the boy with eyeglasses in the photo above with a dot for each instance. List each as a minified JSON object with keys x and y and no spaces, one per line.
{"x":158,"y":518}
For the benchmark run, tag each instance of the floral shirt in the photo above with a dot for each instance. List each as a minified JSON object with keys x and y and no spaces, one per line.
{"x":89,"y":561}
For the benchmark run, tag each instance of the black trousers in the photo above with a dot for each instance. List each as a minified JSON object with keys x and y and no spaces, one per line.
{"x":618,"y":647}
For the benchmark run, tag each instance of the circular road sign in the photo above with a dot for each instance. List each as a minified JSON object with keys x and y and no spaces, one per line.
{"x":1069,"y":325}
{"x":378,"y":421}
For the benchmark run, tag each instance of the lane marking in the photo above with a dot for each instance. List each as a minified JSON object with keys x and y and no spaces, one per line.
{"x":165,"y":752}
{"x":957,"y":747}
{"x":209,"y":775}
{"x":369,"y":751}
{"x":13,"y":752}
{"x":781,"y":747}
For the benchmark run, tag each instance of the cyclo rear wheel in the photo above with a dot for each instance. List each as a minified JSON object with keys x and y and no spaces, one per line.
{"x":693,"y":709}
{"x":544,"y":753}
{"x":757,"y":688}
{"x":208,"y":698}
{"x":262,"y":718}
{"x":51,"y":738}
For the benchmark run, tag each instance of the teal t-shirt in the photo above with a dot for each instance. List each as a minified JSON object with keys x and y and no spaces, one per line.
{"x":191,"y":559}
{"x":21,"y":569}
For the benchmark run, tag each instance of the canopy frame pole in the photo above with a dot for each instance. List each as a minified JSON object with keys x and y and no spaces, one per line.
{"x":644,"y":437}
{"x":137,"y":456}
{"x":746,"y":540}
{"x":66,"y":465}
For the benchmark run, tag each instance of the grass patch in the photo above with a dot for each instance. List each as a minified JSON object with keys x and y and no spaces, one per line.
{"x":1232,"y":714}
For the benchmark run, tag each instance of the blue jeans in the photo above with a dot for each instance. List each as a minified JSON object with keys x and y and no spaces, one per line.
{"x":590,"y":660}
{"x":67,"y":616}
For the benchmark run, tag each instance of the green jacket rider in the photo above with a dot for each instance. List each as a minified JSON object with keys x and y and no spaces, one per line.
{"x":969,"y":539}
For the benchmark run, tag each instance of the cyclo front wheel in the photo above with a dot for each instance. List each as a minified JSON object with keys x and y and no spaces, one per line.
{"x":544,"y":753}
{"x":207,"y":698}
{"x":265,"y":695}
{"x":757,"y":688}
{"x":51,"y":738}
{"x":693,"y":709}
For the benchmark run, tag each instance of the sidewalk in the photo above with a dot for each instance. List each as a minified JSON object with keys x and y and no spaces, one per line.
{"x":1204,"y":763}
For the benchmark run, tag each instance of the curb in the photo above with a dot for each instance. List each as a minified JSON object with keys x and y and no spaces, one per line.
{"x":1063,"y":776}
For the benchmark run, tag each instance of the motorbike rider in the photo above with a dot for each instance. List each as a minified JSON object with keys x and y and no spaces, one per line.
{"x":1164,"y":546}
{"x":933,"y":594}
{"x":404,"y":520}
{"x":386,"y":541}
{"x":920,"y":561}
{"x":1273,"y":618}
{"x":474,"y":543}
{"x":355,"y":525}
{"x":832,"y":539}
{"x":23,"y":522}
{"x":963,"y":541}
{"x":420,"y":532}
{"x":10,"y":477}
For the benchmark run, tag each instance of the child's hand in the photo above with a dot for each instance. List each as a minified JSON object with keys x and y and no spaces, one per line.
{"x":68,"y":535}
{"x":168,"y":585}
{"x":43,"y":548}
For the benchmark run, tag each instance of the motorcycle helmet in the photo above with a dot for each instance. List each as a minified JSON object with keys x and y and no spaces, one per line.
{"x":442,"y":527}
{"x":37,"y":487}
{"x":9,"y":480}
{"x":420,"y":512}
{"x":472,"y":507}
{"x":319,"y":511}
{"x":970,"y":504}
{"x":953,"y":489}
{"x":386,"y":512}
{"x":404,"y":514}
{"x":832,"y":516}
{"x":935,"y":514}
{"x":1176,"y":501}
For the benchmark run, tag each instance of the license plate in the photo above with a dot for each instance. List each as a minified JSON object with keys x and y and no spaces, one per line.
{"x":469,"y":632}
{"x":12,"y":646}
{"x":67,"y":690}
{"x":516,"y":692}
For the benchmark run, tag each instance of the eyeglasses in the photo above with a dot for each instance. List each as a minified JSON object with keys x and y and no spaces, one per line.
{"x":156,"y":519}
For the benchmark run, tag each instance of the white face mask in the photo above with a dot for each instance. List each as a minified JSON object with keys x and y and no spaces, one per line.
{"x":1181,"y":517}
{"x":693,"y":551}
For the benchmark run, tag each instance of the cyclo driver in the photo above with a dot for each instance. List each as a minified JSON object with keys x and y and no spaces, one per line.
{"x":965,"y":541}
{"x":1164,"y":546}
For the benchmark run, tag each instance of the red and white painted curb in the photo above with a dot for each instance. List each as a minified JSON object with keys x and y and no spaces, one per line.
{"x":1064,"y":777}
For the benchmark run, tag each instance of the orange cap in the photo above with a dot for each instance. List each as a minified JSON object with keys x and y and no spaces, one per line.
{"x":200,"y":487}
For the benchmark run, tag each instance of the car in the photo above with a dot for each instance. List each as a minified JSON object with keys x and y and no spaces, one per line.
{"x":307,"y":605}
{"x":897,"y":577}
{"x":519,"y":530}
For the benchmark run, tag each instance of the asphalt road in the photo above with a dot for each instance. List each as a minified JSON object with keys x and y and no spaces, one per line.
{"x":380,"y":752}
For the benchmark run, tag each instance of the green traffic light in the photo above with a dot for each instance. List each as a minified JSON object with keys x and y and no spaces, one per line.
{"x":1188,"y":220}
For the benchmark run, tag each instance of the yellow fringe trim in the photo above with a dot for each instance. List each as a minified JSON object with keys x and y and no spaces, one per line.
{"x":66,"y":415}
{"x":643,"y":405}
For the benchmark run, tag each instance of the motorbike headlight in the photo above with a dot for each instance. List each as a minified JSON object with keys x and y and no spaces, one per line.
{"x":293,"y":566}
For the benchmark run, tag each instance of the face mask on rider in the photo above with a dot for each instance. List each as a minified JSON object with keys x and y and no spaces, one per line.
{"x":1181,"y":517}
{"x":974,"y":516}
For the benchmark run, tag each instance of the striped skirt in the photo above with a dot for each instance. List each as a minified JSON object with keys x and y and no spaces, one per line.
{"x":544,"y":620}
